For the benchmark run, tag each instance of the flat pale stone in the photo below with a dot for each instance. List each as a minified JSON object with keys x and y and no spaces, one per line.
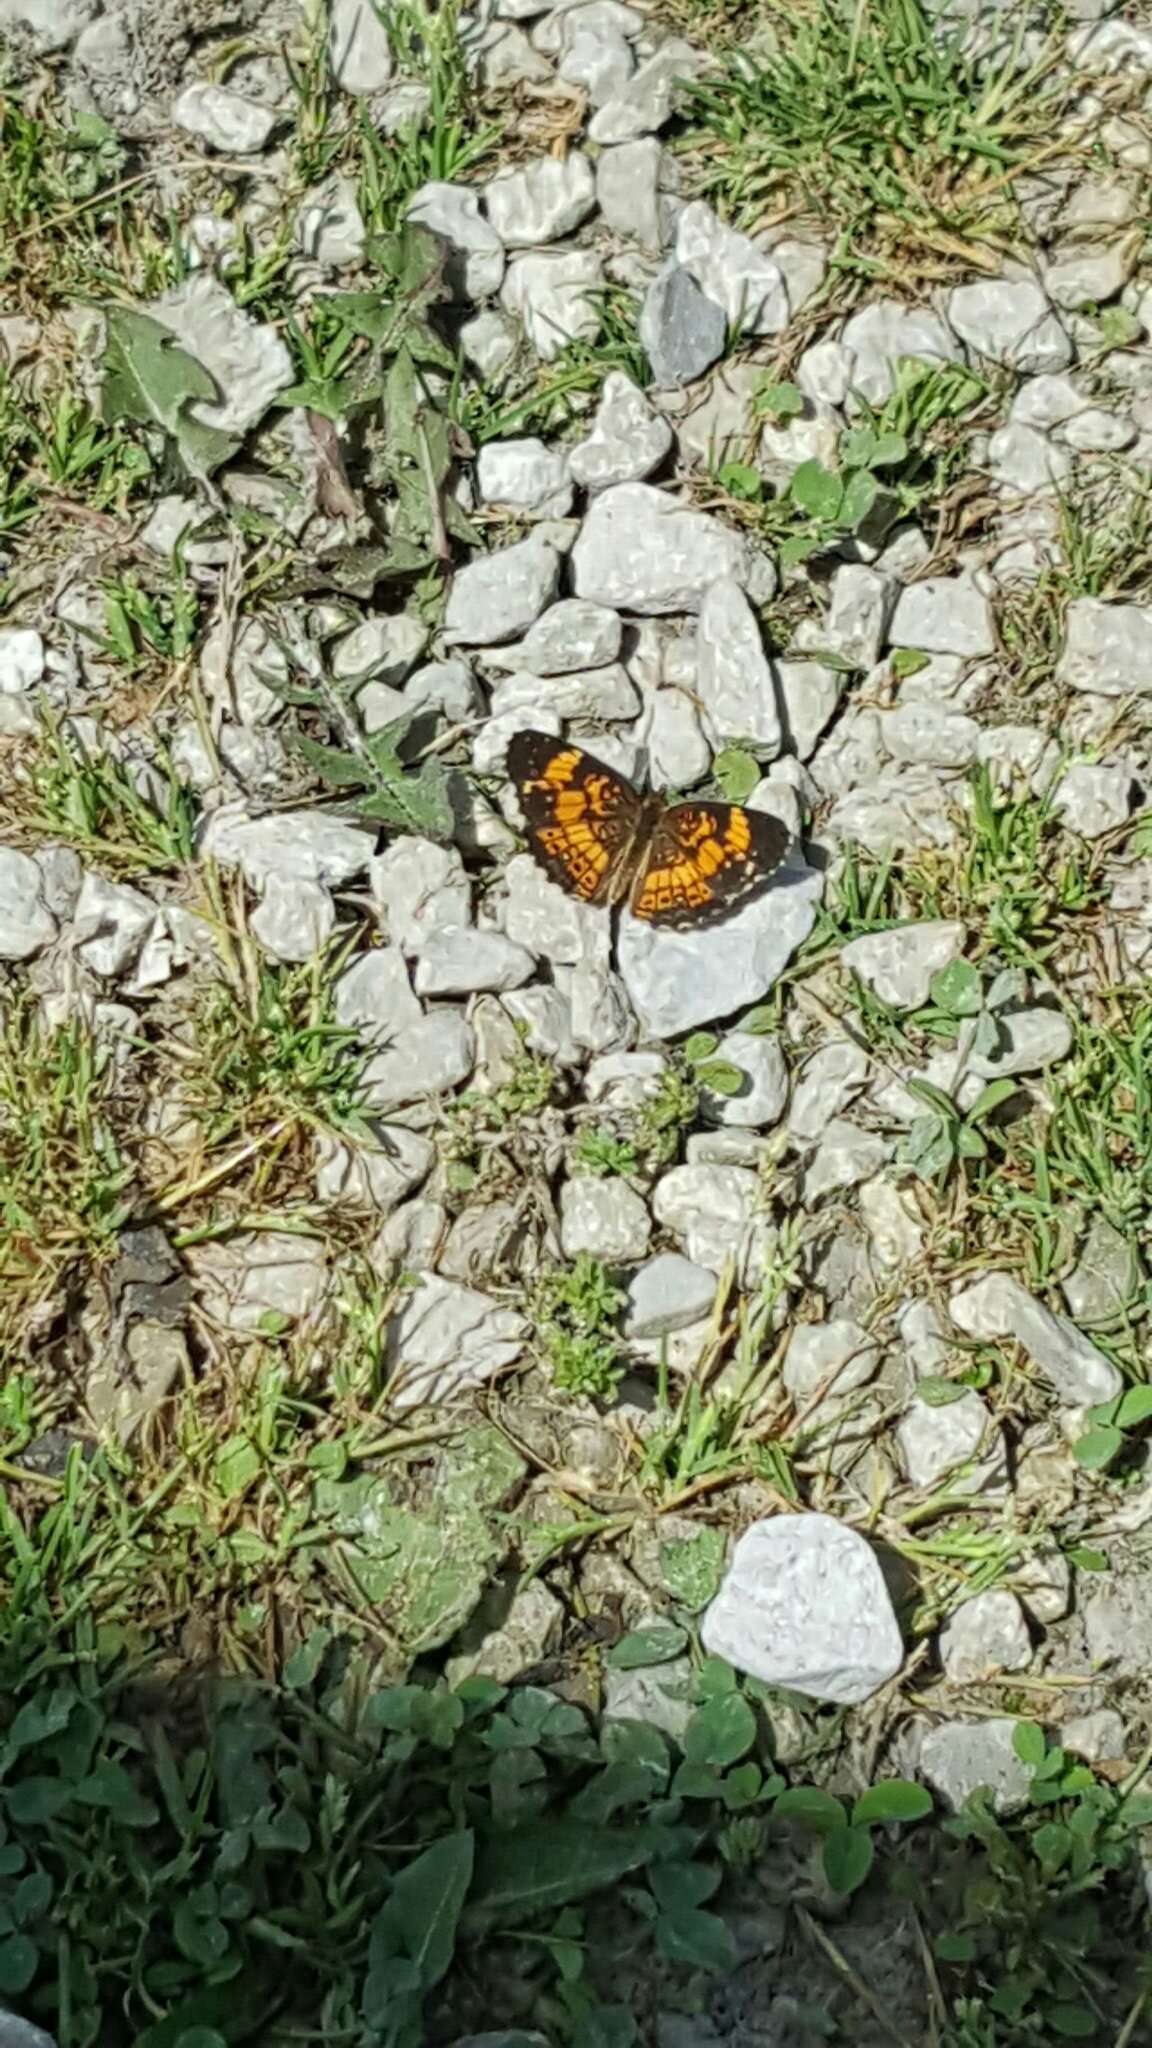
{"x":804,"y":1605}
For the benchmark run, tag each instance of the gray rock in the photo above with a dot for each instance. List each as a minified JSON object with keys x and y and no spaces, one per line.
{"x":763,"y":1095}
{"x":1099,"y":1737}
{"x":447,"y":686}
{"x":998,"y":1306}
{"x":892,"y":1218}
{"x":860,"y":606}
{"x":382,"y":649}
{"x":836,"y":1357}
{"x":303,"y":846}
{"x":604,"y":1217}
{"x":111,"y":923}
{"x":678,"y":752}
{"x":1105,"y":1276}
{"x":627,"y":442}
{"x":647,"y":100}
{"x":1043,"y":1583}
{"x":1098,"y":432}
{"x":508,"y":59}
{"x":571,"y":635}
{"x":15,"y":2032}
{"x":959,"y":1757}
{"x":330,"y":228}
{"x":250,"y":363}
{"x":1095,"y":797}
{"x":497,"y":597}
{"x":804,"y":1605}
{"x":677,"y":980}
{"x":735,"y":686}
{"x":710,"y":1208}
{"x":601,"y":695}
{"x":934,"y":1441}
{"x":359,"y":49}
{"x":642,"y":550}
{"x":463,"y":962}
{"x":544,"y":918}
{"x":374,"y":996}
{"x":373,"y":1177}
{"x":224,"y":119}
{"x":1010,"y":320}
{"x":659,"y":1694}
{"x":293,"y":918}
{"x":944,"y":615}
{"x":898,"y":965}
{"x":667,"y":1293}
{"x":545,"y":1018}
{"x":489,"y":342}
{"x":1085,"y":275}
{"x":409,"y":1241}
{"x":1026,"y":462}
{"x":1107,"y":648}
{"x":423,"y":1060}
{"x":524,"y":477}
{"x":26,"y":923}
{"x":809,"y":694}
{"x":682,"y":330}
{"x":444,"y":1339}
{"x":554,"y":293}
{"x":601,"y":1015}
{"x":885,"y":332}
{"x":259,"y":1273}
{"x":1019,"y":750}
{"x":1032,"y":1040}
{"x":929,"y":736}
{"x":1116,"y":1609}
{"x":596,"y":57}
{"x":476,"y":267}
{"x":732,"y":271}
{"x":626,"y":1080}
{"x":627,"y":190}
{"x":22,"y":660}
{"x":51,"y":25}
{"x":901,"y":807}
{"x":845,"y":1156}
{"x":540,"y":201}
{"x":985,"y":1636}
{"x":829,"y":1081}
{"x":502,"y":1641}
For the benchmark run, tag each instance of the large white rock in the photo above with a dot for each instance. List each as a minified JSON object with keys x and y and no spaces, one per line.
{"x":641,"y":550}
{"x":732,"y":271}
{"x":998,"y":1306}
{"x":734,"y":678}
{"x":555,"y":292}
{"x":1010,"y":320}
{"x":542,"y":200}
{"x":804,"y":1605}
{"x":498,"y":596}
{"x":1107,"y":648}
{"x":26,"y":923}
{"x":676,"y":980}
{"x":446,"y":1338}
{"x":249,"y":361}
{"x":359,"y":49}
{"x":225,"y":120}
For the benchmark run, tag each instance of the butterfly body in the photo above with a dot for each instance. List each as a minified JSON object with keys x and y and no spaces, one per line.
{"x":677,"y":865}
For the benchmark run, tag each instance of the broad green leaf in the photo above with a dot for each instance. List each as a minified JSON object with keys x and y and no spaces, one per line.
{"x":908,"y":661}
{"x":848,"y":1857}
{"x":797,"y":548}
{"x":1086,"y":1559}
{"x":970,"y":1144}
{"x":813,"y":1807}
{"x":721,"y":1077}
{"x":547,"y":1864}
{"x":19,"y":1957}
{"x":237,"y":1465}
{"x":701,"y":1940}
{"x":860,"y":494}
{"x":925,"y":1091}
{"x":606,"y":2026}
{"x":1072,"y":2022}
{"x":111,"y":1787}
{"x":337,"y":767}
{"x":1097,"y":1448}
{"x":1030,"y":1743}
{"x":700,"y":1046}
{"x":148,"y":377}
{"x":760,"y":1020}
{"x":937,"y":1392}
{"x":956,"y":988}
{"x":778,"y":400}
{"x":426,"y":1901}
{"x":991,"y":1097}
{"x":693,"y":1566}
{"x":721,"y":1731}
{"x":741,"y":481}
{"x":33,"y":1801}
{"x":640,"y":1744}
{"x":737,"y":772}
{"x":954,"y":1948}
{"x":816,"y":491}
{"x":893,"y":1799}
{"x":644,"y":1646}
{"x":1135,"y":1407}
{"x":678,"y":1885}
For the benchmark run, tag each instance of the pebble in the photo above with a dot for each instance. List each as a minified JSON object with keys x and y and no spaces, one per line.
{"x":930,"y":737}
{"x":642,"y":550}
{"x":448,"y":686}
{"x":425,"y":1059}
{"x":571,"y":635}
{"x":667,"y":1293}
{"x":26,"y":923}
{"x":809,"y":694}
{"x":1116,"y":1610}
{"x":829,"y":1081}
{"x":934,"y":1441}
{"x":1031,"y":1041}
{"x":985,"y":1636}
{"x":536,"y":913}
{"x":1025,"y":461}
{"x":678,"y":752}
{"x":731,"y":270}
{"x":224,"y":119}
{"x":709,"y":1208}
{"x":1107,"y":648}
{"x":944,"y":615}
{"x":554,"y":293}
{"x":475,"y":269}
{"x":382,"y":649}
{"x":678,"y":980}
{"x":898,"y":965}
{"x":259,"y":1273}
{"x":601,"y":695}
{"x":647,"y":100}
{"x":604,"y":1217}
{"x":496,"y":597}
{"x":1088,"y":276}
{"x":374,"y":996}
{"x":293,"y":918}
{"x":1099,"y":1737}
{"x":803,"y":1605}
{"x":735,"y":686}
{"x":627,"y":441}
{"x":882,"y":334}
{"x":1095,"y":797}
{"x":661,"y":1695}
{"x":682,"y":330}
{"x":444,"y":1338}
{"x":464,"y":962}
{"x":859,"y":609}
{"x":541,"y":201}
{"x":377,"y":1176}
{"x":22,"y":660}
{"x":502,"y":1646}
{"x":628,"y":190}
{"x":111,"y":923}
{"x":1011,"y":321}
{"x":997,"y":1306}
{"x":763,"y":1095}
{"x":959,"y":1757}
{"x":835,"y":1357}
{"x":249,"y":361}
{"x":845,"y":1156}
{"x":359,"y":46}
{"x":524,"y":477}
{"x":1106,"y":1274}
{"x":596,"y":57}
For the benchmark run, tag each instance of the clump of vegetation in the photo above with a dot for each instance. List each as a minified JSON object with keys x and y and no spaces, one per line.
{"x":91,"y":800}
{"x":575,"y":1314}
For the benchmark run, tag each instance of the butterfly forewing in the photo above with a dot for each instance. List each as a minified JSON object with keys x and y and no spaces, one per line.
{"x":703,"y":861}
{"x":583,"y":819}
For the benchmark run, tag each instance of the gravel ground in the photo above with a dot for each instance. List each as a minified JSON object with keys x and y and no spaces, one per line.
{"x":761,"y":407}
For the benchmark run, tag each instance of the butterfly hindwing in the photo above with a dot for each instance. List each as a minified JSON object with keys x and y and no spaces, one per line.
{"x":703,"y":861}
{"x":582,"y":818}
